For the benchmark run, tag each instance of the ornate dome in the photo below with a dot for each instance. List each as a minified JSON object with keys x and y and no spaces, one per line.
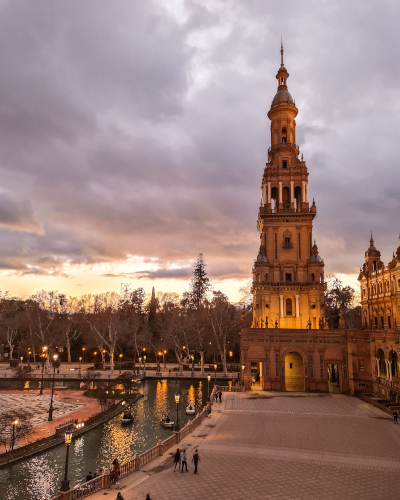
{"x":282,"y":97}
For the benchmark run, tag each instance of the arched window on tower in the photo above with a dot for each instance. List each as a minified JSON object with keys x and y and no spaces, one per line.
{"x":297,"y":199}
{"x":258,"y":277}
{"x":284,"y":135}
{"x":312,"y":277}
{"x":274,"y":199}
{"x":286,"y":197}
{"x":289,"y":307}
{"x":374,"y":265}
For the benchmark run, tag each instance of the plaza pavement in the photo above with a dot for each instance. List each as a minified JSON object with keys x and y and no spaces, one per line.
{"x":280,"y":446}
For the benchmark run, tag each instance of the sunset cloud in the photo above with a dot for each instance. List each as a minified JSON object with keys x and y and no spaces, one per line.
{"x":140,"y":129}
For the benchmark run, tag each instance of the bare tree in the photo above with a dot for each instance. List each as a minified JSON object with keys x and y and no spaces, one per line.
{"x":225,"y":323}
{"x":15,"y":426}
{"x":107,"y":323}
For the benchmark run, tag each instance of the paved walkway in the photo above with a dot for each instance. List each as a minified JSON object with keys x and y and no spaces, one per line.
{"x":298,"y":446}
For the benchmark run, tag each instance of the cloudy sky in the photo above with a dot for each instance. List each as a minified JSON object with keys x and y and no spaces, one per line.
{"x":133,"y":136}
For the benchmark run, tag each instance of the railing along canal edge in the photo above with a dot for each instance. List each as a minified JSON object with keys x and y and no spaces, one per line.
{"x":104,"y":481}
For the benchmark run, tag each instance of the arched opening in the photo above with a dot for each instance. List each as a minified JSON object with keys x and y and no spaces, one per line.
{"x":294,"y":372}
{"x":284,"y":135}
{"x":274,"y":199}
{"x":312,"y":277}
{"x":374,"y":265}
{"x":297,"y":199}
{"x":289,"y":311}
{"x":286,"y":197}
{"x":333,"y":378}
{"x":381,"y":360}
{"x":393,"y":358}
{"x":256,"y":376}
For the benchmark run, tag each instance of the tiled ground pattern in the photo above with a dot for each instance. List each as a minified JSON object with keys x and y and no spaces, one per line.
{"x":38,"y":405}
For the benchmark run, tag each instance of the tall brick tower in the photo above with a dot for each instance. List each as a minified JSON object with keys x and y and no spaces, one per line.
{"x":288,"y":274}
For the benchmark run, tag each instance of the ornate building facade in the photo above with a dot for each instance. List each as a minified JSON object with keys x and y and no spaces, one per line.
{"x":288,"y":346}
{"x":380,"y":290}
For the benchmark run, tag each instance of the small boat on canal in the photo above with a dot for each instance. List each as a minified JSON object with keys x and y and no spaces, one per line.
{"x":190,"y":410}
{"x":166,"y":422}
{"x":127,"y":418}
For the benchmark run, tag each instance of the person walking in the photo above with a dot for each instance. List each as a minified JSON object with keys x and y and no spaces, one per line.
{"x":216,"y":397}
{"x":89,"y":476}
{"x":148,"y":496}
{"x":184,"y":460}
{"x":195,"y":460}
{"x":119,"y":496}
{"x":177,"y":459}
{"x":395,"y":415}
{"x":220,"y":396}
{"x":116,"y":472}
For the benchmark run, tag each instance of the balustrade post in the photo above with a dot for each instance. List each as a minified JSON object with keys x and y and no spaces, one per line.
{"x":106,"y":481}
{"x":136,"y":462}
{"x":177,"y":436}
{"x":160,"y":447}
{"x":190,"y":426}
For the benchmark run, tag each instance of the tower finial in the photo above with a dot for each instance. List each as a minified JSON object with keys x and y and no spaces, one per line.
{"x":281,"y":52}
{"x":371,"y":241}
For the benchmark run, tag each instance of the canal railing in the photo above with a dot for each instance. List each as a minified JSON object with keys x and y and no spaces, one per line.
{"x":104,"y":481}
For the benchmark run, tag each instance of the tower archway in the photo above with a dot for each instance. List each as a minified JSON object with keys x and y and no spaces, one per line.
{"x":382,"y":364}
{"x":294,"y":372}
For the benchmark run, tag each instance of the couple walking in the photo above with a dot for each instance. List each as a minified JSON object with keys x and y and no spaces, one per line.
{"x":218,"y":394}
{"x":181,"y":459}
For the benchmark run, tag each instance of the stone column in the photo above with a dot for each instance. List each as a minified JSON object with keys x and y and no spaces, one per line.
{"x":281,"y":306}
{"x":280,"y":194}
{"x":378,"y":367}
{"x":303,"y":186}
{"x":263,"y":195}
{"x":297,"y":297}
{"x":390,"y":370}
{"x":269,"y":193}
{"x":291,"y":191}
{"x":306,"y":188}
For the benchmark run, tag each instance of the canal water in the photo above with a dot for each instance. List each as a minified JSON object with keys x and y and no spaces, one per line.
{"x":39,"y":477}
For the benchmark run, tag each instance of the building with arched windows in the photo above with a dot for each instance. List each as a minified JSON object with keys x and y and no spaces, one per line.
{"x":288,"y":346}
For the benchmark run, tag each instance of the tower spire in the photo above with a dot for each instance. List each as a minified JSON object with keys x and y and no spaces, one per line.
{"x":371,"y":241}
{"x":281,"y":52}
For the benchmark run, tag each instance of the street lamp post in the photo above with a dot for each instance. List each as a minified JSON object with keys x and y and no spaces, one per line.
{"x":176,"y":427}
{"x":120,"y":364}
{"x":65,"y":482}
{"x":43,"y":355}
{"x":83,"y":353}
{"x":80,"y":362}
{"x":106,"y":399}
{"x":140,"y":362}
{"x":192,"y":365}
{"x":243,"y":367}
{"x":215,"y":373}
{"x":21,"y":358}
{"x":230,"y":355}
{"x":209,"y":378}
{"x":144,"y":365}
{"x":15,"y":423}
{"x":164,"y":353}
{"x":50,"y":419}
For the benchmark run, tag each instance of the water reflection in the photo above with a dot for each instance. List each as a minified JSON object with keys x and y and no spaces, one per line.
{"x":38,"y":478}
